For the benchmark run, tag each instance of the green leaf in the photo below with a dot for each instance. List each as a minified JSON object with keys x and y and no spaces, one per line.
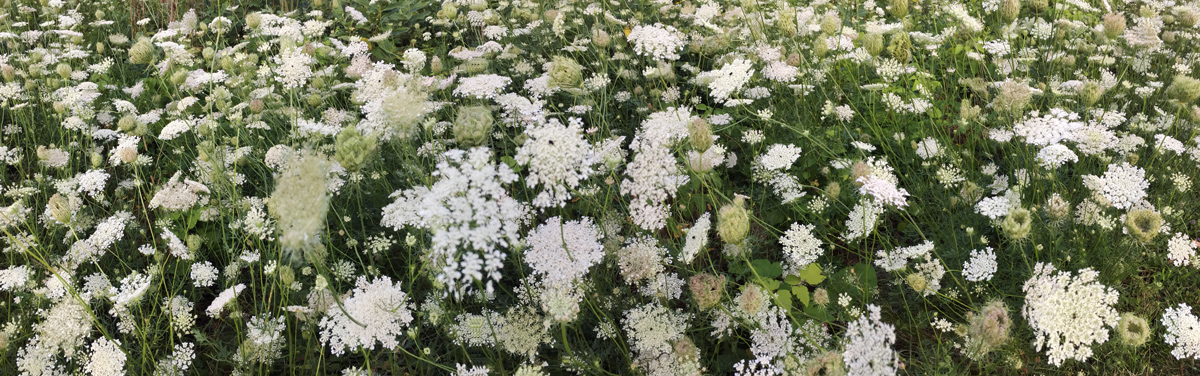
{"x":770,"y":284}
{"x":784,"y":299}
{"x":766,"y":269}
{"x":792,"y":280}
{"x":812,"y":274}
{"x":802,"y":293}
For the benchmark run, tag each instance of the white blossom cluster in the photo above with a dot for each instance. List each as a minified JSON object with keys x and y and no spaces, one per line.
{"x":1068,"y":313}
{"x":981,"y":266}
{"x":869,"y":343}
{"x":1183,"y":331}
{"x":1054,"y":127}
{"x":562,"y":252}
{"x":377,"y":311}
{"x":696,"y":239}
{"x":883,"y":191}
{"x":800,"y":246}
{"x":1122,"y":185}
{"x":726,"y":82}
{"x":1181,"y":249}
{"x":469,"y":213}
{"x":657,"y":41}
{"x":559,"y":158}
{"x":654,"y":175}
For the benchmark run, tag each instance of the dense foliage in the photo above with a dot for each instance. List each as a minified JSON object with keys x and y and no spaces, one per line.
{"x":475,"y":187}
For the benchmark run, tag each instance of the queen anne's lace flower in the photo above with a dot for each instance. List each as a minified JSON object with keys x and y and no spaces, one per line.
{"x":1068,"y":314}
{"x":657,"y":41}
{"x":869,"y":345}
{"x":1123,"y":185}
{"x":563,"y":252}
{"x":559,"y":158}
{"x":1183,"y":331}
{"x":1181,"y":249}
{"x":377,"y":311}
{"x":469,"y":212}
{"x":729,"y":80}
{"x":981,"y":266}
{"x":800,"y":246}
{"x":883,"y":191}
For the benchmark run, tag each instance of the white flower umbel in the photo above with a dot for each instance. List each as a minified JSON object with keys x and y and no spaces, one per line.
{"x":884,"y":192}
{"x":981,"y":266}
{"x":559,"y":158}
{"x":1183,"y":331}
{"x":696,"y":239}
{"x":377,"y":311}
{"x":800,"y":246}
{"x":862,"y":219}
{"x":469,"y":213}
{"x":869,"y":345}
{"x":1123,"y":185}
{"x":657,"y":41}
{"x":1068,"y":314}
{"x":1181,"y":249}
{"x":562,"y":252}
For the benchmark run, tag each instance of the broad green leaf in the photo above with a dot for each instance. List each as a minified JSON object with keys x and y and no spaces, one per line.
{"x":802,"y":293}
{"x":770,"y":284}
{"x":792,"y":280}
{"x":766,"y":269}
{"x":812,"y":274}
{"x":784,"y":299}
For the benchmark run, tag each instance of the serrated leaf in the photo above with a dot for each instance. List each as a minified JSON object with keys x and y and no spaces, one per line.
{"x":792,"y":280}
{"x":784,"y":299}
{"x":770,"y":284}
{"x":766,"y":269}
{"x":801,"y":292}
{"x":812,"y":274}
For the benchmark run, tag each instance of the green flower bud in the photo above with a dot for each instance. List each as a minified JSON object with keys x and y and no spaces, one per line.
{"x":1090,"y":93}
{"x":473,"y":125}
{"x":820,"y":46}
{"x":60,"y":209}
{"x":733,"y":222}
{"x":253,"y":20}
{"x":99,"y":47}
{"x":1009,"y":10}
{"x":314,"y":100}
{"x":97,"y":160}
{"x":565,"y":73}
{"x":1017,"y":224}
{"x":194,"y":242}
{"x":354,"y":150}
{"x":1114,"y":25}
{"x":449,"y":11}
{"x":873,"y":42}
{"x":179,"y":77}
{"x":917,"y":282}
{"x":898,"y":8}
{"x":63,"y":70}
{"x":700,"y":134}
{"x":707,"y":289}
{"x":8,"y":72}
{"x":1133,"y":330}
{"x":287,"y":275}
{"x":1037,"y":6}
{"x":1184,"y":89}
{"x":831,"y":23}
{"x":900,"y":47}
{"x":1143,"y":224}
{"x":435,"y":65}
{"x":1187,"y":17}
{"x":141,"y":52}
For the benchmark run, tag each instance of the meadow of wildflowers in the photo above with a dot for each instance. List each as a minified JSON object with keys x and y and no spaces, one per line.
{"x":599,"y":187}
